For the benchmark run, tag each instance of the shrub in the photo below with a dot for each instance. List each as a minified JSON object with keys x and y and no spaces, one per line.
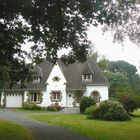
{"x":89,"y":111}
{"x":110,"y":110}
{"x":31,"y":106}
{"x":85,"y":103}
{"x":129,"y":101}
{"x":54,"y":107}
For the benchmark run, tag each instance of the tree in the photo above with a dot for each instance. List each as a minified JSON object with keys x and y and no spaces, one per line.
{"x":103,"y":64}
{"x":93,"y":53}
{"x":130,"y":102}
{"x":119,"y":83}
{"x":123,"y":67}
{"x":53,"y":25}
{"x":3,"y":72}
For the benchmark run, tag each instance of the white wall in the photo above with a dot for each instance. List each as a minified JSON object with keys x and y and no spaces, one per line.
{"x":2,"y":98}
{"x":25,"y":96}
{"x":55,"y":86}
{"x":103,"y":91}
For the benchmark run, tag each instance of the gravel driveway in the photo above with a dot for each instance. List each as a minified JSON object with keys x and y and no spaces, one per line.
{"x":42,"y":131}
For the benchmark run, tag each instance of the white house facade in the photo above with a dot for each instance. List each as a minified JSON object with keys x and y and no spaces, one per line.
{"x":59,"y":83}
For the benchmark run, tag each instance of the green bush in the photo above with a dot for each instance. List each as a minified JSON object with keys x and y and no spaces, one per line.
{"x":54,"y":107}
{"x":85,"y":103}
{"x":89,"y":111}
{"x":31,"y":106}
{"x":129,"y":101}
{"x":110,"y":110}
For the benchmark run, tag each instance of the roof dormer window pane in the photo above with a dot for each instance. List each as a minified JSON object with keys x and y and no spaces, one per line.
{"x":36,"y":80}
{"x":87,"y":77}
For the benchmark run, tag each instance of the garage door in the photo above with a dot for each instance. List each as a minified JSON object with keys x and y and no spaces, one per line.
{"x":14,"y":100}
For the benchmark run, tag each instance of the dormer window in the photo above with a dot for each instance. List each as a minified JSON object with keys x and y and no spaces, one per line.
{"x":87,"y":77}
{"x":56,"y":79}
{"x":36,"y":80}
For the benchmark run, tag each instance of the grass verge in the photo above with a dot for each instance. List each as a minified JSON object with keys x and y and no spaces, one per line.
{"x":98,"y":129}
{"x":29,"y":111}
{"x":12,"y":131}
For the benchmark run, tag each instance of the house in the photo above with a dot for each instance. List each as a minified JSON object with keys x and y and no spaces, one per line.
{"x":59,"y":83}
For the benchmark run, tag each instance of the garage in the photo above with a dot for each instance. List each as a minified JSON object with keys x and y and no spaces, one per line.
{"x":13,"y":100}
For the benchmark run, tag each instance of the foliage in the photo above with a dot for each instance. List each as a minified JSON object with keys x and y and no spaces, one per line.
{"x":31,"y":106}
{"x":3,"y":75}
{"x":130,"y":101}
{"x":89,"y":111}
{"x":85,"y":103}
{"x":123,"y":67}
{"x":118,"y":83}
{"x":54,"y":25}
{"x":122,"y":77}
{"x":96,"y":129}
{"x":54,"y":107}
{"x":135,"y":84}
{"x":110,"y":110}
{"x":103,"y":64}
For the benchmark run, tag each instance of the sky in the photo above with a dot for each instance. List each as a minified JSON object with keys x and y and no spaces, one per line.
{"x":128,"y":52}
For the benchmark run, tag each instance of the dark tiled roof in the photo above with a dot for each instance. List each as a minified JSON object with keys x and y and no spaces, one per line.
{"x":37,"y":72}
{"x":72,"y":72}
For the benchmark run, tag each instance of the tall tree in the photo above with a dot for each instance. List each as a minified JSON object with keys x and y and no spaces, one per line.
{"x":55,"y":24}
{"x":103,"y":64}
{"x":124,"y":67}
{"x":119,"y":83}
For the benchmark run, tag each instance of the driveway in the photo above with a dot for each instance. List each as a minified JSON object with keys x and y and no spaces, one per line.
{"x":42,"y":131}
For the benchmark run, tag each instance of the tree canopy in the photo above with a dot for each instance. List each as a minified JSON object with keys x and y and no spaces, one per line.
{"x":122,"y":76}
{"x":56,"y":24}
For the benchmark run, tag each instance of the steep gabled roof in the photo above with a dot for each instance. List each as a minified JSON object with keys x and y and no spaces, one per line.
{"x":72,"y":72}
{"x":87,"y":69}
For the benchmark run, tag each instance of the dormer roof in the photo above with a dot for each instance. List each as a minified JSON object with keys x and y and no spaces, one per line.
{"x":87,"y":69}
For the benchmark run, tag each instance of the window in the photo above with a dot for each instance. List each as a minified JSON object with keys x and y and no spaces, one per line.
{"x":87,"y":77}
{"x":56,"y":79}
{"x":36,"y":80}
{"x":96,"y":96}
{"x":35,"y":97}
{"x":56,"y":95}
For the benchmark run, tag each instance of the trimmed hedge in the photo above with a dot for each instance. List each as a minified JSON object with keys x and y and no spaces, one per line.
{"x":85,"y":103}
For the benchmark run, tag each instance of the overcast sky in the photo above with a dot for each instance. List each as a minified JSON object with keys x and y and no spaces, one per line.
{"x":114,"y":51}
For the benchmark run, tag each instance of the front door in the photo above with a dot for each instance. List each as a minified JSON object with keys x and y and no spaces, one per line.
{"x":70,"y":100}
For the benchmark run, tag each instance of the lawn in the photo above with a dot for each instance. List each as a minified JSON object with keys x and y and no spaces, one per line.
{"x":100,"y":130}
{"x":11,"y":131}
{"x":29,"y":111}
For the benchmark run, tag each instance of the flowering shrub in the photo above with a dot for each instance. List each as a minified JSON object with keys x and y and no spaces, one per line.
{"x":54,"y":107}
{"x":110,"y":110}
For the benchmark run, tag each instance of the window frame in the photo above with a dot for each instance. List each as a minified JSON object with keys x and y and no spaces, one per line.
{"x":36,"y":79}
{"x":35,"y":97}
{"x":57,"y":95}
{"x":87,"y":77}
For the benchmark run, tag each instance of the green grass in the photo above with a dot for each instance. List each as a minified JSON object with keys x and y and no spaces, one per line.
{"x":100,"y":130}
{"x":11,"y":131}
{"x":29,"y":111}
